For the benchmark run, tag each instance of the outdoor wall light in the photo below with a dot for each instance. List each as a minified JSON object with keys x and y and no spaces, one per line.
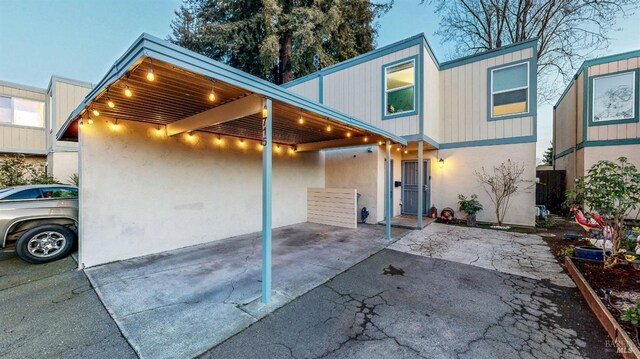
{"x":441,"y":163}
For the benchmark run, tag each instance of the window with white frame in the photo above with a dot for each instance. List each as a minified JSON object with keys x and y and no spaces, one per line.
{"x":21,"y":112}
{"x":613,"y":97}
{"x":399,"y":89}
{"x":510,"y":90}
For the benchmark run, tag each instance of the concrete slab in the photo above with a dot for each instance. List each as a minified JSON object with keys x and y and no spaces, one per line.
{"x":51,"y":311}
{"x":408,"y":221}
{"x":526,"y":255}
{"x":183,"y":302}
{"x":398,"y":305}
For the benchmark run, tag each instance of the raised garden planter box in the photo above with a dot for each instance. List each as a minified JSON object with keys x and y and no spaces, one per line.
{"x":625,"y":346}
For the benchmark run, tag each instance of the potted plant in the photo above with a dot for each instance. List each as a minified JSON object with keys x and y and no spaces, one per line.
{"x":470,"y":206}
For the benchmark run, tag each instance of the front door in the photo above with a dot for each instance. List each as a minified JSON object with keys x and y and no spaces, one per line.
{"x":410,"y":187}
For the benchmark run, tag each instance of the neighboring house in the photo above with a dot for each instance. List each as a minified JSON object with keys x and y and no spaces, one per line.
{"x":468,"y":113}
{"x":596,"y":118}
{"x":30,"y":118}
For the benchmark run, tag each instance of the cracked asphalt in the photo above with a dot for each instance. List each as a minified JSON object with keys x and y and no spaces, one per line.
{"x":400,"y":305}
{"x":51,"y":311}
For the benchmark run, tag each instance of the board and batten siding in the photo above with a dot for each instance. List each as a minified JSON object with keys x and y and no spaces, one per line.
{"x":357,"y":91}
{"x":431,"y":97}
{"x":613,"y":131}
{"x":463,"y":103}
{"x":66,"y":97}
{"x":565,"y":121}
{"x":21,"y":139}
{"x":308,"y":89}
{"x":332,"y":206}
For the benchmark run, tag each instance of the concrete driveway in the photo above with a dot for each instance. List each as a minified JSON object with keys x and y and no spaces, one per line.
{"x":180,"y":303}
{"x":400,"y":305}
{"x":51,"y":311}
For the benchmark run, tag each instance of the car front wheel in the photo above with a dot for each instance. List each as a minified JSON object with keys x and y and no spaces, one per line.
{"x":45,"y":243}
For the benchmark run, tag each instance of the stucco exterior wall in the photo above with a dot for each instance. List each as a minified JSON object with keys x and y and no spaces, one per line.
{"x":143,"y":193}
{"x":457,"y":177}
{"x":463,"y":102}
{"x":62,"y":165}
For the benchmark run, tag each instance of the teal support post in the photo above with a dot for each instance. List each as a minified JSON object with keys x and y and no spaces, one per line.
{"x":420,"y":183}
{"x":266,"y":202}
{"x":387,"y":191}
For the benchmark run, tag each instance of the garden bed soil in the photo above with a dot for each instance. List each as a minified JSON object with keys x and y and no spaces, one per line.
{"x":623,"y":281}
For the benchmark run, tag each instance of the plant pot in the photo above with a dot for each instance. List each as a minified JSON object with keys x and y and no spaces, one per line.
{"x":590,"y":253}
{"x":471,"y":220}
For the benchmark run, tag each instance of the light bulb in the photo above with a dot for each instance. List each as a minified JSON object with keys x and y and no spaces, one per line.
{"x":328,"y":128}
{"x":398,"y":149}
{"x":301,"y":120}
{"x":348,"y":134}
{"x":212,"y":96}
{"x":366,"y":139}
{"x":150,"y":75}
{"x":95,"y":112}
{"x":111,"y":104}
{"x":406,"y":151}
{"x":379,"y":143}
{"x":264,"y":112}
{"x":90,"y":121}
{"x":127,"y":91}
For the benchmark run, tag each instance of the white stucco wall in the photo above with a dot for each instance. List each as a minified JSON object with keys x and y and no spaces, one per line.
{"x":63,"y":165}
{"x":143,"y":193}
{"x":457,"y":177}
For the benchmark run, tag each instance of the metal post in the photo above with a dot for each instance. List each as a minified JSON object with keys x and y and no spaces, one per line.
{"x":420,"y":183}
{"x":387,"y":191}
{"x":266,"y":203}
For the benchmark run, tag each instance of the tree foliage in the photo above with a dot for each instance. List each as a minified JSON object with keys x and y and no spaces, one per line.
{"x":501,"y":184}
{"x":16,"y":171}
{"x":568,"y":31}
{"x":613,"y":190}
{"x":278,"y":39}
{"x":547,"y":157}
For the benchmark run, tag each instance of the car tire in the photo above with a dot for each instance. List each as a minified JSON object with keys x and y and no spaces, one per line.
{"x":45,"y":243}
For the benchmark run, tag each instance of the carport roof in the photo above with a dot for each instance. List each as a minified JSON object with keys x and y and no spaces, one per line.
{"x":183,"y":82}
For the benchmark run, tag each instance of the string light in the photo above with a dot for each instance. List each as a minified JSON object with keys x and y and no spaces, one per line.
{"x":301,"y":120}
{"x":406,"y":151}
{"x":127,"y":90}
{"x":366,"y":139}
{"x":212,"y":95}
{"x":348,"y":134}
{"x":111,"y":104}
{"x":328,"y":128}
{"x":398,"y":149}
{"x":95,"y":112}
{"x":379,"y":143}
{"x":150,"y":75}
{"x":90,"y":121}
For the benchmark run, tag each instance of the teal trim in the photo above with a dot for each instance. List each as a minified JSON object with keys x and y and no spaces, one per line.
{"x":321,"y":89}
{"x":580,"y":146}
{"x":416,"y":87}
{"x":531,"y":91}
{"x":421,"y":203}
{"x":266,"y":203}
{"x":421,"y":81}
{"x":534,"y":90}
{"x":564,"y":153}
{"x":619,"y":142}
{"x":585,"y":96}
{"x":387,"y":190}
{"x":425,"y":138}
{"x":598,"y":61}
{"x":636,"y":84}
{"x":490,"y":53}
{"x":492,"y":142}
{"x":147,"y":45}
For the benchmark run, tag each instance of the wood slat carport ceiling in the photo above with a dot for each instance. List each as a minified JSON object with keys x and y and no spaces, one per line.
{"x":177,"y":93}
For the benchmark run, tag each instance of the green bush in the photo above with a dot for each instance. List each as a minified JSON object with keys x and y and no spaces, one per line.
{"x":469,"y":205}
{"x":16,"y":171}
{"x":632,"y":314}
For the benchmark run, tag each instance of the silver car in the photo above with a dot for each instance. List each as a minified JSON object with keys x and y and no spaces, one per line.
{"x":39,"y":222}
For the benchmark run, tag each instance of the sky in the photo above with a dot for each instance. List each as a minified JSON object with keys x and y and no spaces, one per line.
{"x":81,"y":39}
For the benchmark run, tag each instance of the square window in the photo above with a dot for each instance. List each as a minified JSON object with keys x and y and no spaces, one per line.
{"x":614,"y":97}
{"x":399,"y":87}
{"x":28,"y":113}
{"x":5,"y":109}
{"x":510,"y":90}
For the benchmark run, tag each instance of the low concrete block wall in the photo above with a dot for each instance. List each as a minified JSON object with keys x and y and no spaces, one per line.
{"x":332,"y":206}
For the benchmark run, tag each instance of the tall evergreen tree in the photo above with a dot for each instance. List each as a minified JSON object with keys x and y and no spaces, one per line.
{"x":278,"y":39}
{"x":547,"y":157}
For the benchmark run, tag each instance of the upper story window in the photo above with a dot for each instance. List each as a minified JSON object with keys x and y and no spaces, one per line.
{"x":509,"y":90}
{"x":614,"y":97}
{"x":21,"y":112}
{"x":399,"y":88}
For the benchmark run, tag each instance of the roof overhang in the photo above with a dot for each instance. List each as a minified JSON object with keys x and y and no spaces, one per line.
{"x":178,"y":99}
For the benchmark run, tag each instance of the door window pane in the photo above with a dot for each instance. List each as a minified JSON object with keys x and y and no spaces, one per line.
{"x":613,"y":97}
